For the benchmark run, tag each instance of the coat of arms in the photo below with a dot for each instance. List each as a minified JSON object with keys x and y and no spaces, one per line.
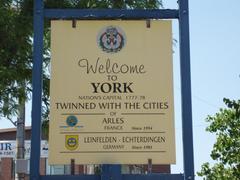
{"x":71,"y":142}
{"x":111,"y":39}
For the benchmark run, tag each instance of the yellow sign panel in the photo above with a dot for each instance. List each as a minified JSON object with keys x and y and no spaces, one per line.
{"x":111,"y":93}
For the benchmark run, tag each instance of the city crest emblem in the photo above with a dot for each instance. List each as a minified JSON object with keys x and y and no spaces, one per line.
{"x":72,"y":121}
{"x":71,"y":142}
{"x":111,"y":39}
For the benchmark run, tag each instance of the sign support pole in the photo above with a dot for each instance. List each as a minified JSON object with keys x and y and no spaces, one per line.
{"x":111,"y":171}
{"x":37,"y":90}
{"x":186,"y":90}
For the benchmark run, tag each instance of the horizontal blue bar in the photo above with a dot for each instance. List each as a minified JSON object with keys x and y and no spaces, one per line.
{"x":153,"y":177}
{"x":70,"y":177}
{"x":87,"y":14}
{"x":124,"y":177}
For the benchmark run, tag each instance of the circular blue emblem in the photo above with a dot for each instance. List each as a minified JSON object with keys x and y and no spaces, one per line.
{"x":72,"y":121}
{"x":111,"y":39}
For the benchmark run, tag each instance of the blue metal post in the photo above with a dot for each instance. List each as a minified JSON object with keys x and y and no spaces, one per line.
{"x":37,"y":89}
{"x":186,"y":90}
{"x":111,"y":172}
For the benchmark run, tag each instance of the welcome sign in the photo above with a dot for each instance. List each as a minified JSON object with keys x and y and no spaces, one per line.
{"x":111,"y":93}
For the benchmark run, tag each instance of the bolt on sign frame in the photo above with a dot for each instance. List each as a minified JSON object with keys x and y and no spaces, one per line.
{"x":113,"y":171}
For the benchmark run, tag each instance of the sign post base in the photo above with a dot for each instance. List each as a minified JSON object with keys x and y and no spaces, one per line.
{"x":111,"y":172}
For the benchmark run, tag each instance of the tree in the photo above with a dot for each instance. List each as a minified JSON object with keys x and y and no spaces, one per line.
{"x":16,"y":66}
{"x":226,"y":151}
{"x":15,"y":55}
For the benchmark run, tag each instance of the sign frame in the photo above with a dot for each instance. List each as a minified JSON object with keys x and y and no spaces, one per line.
{"x":113,"y":171}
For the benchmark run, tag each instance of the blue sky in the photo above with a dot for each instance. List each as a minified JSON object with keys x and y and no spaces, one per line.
{"x":215,"y":70}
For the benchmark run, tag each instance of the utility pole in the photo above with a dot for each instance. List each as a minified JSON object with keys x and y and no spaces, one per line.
{"x":20,"y":135}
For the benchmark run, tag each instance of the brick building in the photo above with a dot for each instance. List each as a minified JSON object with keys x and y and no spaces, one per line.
{"x":7,"y":164}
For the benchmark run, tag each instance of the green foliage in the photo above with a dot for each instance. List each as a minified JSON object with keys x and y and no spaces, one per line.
{"x":15,"y":57}
{"x":16,"y":32}
{"x":226,"y":151}
{"x":217,"y":172}
{"x":104,"y":4}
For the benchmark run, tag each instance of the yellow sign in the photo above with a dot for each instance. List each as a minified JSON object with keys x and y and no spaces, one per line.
{"x":111,"y":93}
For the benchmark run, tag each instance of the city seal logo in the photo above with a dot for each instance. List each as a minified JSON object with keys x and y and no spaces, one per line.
{"x":71,"y":142}
{"x":111,"y":39}
{"x":71,"y":121}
